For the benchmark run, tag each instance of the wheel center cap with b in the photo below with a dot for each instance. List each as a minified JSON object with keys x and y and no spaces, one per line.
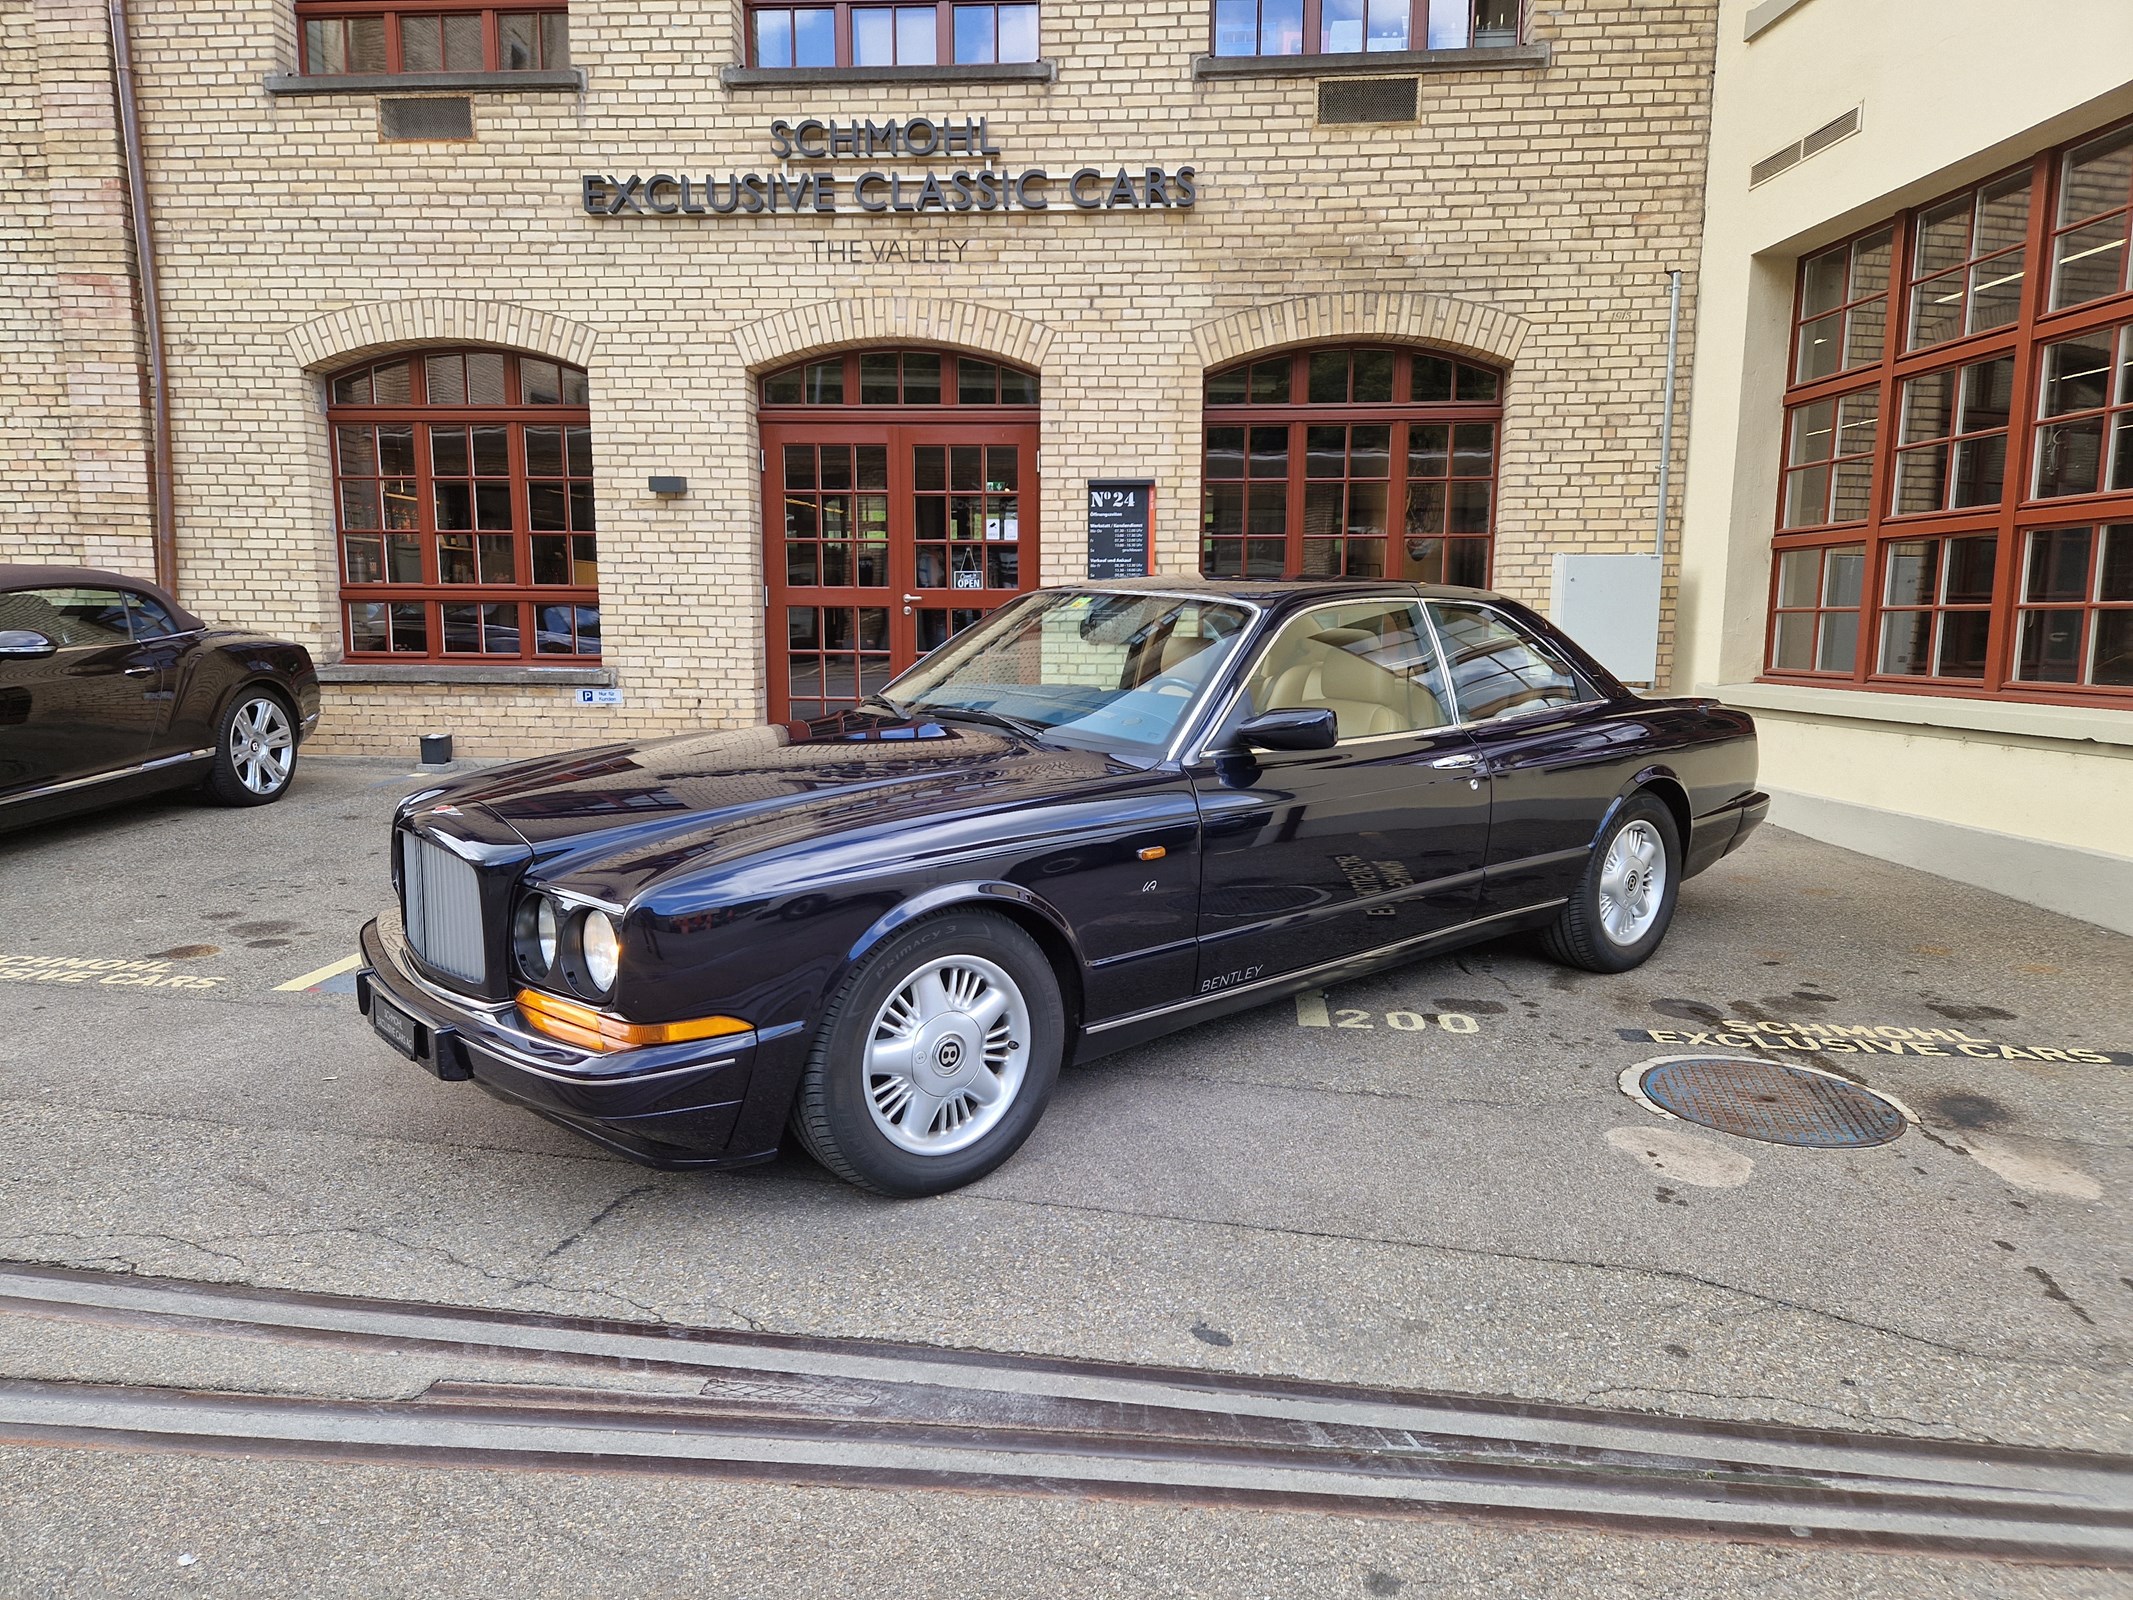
{"x":945,"y":1054}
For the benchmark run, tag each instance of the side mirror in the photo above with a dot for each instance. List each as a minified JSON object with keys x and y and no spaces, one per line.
{"x":1302,"y":728}
{"x":24,"y":644}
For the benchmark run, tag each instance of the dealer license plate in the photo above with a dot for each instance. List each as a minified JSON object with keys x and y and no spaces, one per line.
{"x":396,"y":1027}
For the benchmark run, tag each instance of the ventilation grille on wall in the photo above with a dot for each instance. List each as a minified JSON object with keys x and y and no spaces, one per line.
{"x":1366,"y":100}
{"x":426,"y":118}
{"x":1813,"y":145}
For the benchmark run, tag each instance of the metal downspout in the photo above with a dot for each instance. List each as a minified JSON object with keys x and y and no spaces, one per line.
{"x":1666,"y":410}
{"x":144,"y":255}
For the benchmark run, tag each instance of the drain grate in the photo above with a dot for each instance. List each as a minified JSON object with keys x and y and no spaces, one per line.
{"x":1766,"y":1101}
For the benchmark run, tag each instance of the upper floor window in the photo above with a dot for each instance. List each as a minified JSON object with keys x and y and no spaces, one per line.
{"x":431,"y":36}
{"x":1956,"y":508}
{"x":1354,"y":27}
{"x":463,"y":496}
{"x":849,"y":35}
{"x":1350,"y":462}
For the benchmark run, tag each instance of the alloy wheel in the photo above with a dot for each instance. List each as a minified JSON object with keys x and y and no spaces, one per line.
{"x":262,"y":745}
{"x":1632,"y":883}
{"x":946,"y":1055}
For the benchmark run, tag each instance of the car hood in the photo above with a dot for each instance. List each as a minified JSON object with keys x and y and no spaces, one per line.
{"x":617,"y":818}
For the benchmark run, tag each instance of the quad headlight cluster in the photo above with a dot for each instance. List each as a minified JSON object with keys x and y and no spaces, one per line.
{"x":566,"y":947}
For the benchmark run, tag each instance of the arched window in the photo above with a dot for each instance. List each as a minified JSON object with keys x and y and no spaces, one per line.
{"x":463,"y":493}
{"x":1351,"y":462}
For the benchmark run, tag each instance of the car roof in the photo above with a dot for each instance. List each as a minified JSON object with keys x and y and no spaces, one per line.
{"x":17,"y":575}
{"x":1272,"y":591}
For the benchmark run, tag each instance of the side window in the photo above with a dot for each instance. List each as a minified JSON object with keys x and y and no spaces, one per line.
{"x":1372,"y":663}
{"x":150,"y":619}
{"x":70,"y":618}
{"x":1499,"y":669}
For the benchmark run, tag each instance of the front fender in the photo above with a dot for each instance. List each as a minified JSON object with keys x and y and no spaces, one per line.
{"x":977,"y":894}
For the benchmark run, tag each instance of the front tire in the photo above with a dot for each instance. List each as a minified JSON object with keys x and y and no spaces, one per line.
{"x":935,"y":1059}
{"x":1623,"y":905}
{"x":255,"y":751}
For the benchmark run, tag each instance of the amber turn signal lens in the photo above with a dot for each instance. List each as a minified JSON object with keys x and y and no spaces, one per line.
{"x":596,"y":1030}
{"x":1153,"y":852}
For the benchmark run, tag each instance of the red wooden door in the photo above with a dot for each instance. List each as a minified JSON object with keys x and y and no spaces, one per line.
{"x":881,"y":540}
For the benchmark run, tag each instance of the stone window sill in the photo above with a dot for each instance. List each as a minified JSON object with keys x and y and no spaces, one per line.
{"x":965,"y":72}
{"x":1490,"y":58}
{"x":2102,"y":725}
{"x":436,"y":672}
{"x":569,"y":79}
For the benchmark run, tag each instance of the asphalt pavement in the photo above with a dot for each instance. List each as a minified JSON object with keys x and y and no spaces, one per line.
{"x":1428,"y":1180}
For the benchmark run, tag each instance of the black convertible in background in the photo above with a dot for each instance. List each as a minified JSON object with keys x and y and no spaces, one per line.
{"x":1103,"y":813}
{"x":110,"y":689}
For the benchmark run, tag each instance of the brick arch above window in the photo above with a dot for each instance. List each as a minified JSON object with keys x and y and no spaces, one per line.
{"x":376,"y":328}
{"x":1456,"y":327}
{"x":827,"y":326}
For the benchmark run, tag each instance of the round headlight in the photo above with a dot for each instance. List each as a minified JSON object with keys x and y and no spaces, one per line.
{"x":601,"y":947}
{"x":538,"y":934}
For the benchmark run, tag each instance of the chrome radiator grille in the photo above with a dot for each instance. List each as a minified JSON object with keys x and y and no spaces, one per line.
{"x":441,"y":906}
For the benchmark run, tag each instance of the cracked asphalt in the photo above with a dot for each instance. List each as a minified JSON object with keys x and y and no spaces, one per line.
{"x":1431,"y":1180}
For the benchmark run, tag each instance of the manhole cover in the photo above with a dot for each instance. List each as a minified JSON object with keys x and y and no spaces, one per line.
{"x":1766,"y":1101}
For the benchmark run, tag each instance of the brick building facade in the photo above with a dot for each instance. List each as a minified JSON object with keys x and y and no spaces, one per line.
{"x":1520,"y":220}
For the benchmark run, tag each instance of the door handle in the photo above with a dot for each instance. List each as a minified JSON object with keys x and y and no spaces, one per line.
{"x":911,"y":600}
{"x":140,"y":672}
{"x":1456,"y":761}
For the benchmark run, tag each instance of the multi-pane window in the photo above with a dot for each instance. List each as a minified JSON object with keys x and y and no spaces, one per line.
{"x":1350,"y":463}
{"x":1844,"y":308}
{"x":2089,"y":236}
{"x":1955,"y":511}
{"x":901,"y":377}
{"x":2076,"y":612}
{"x":1829,"y":463}
{"x":463,"y":498}
{"x":1968,"y":256}
{"x":431,"y":36}
{"x":1356,"y":27}
{"x":1936,"y":606}
{"x":1954,"y":446}
{"x":2085,"y":442}
{"x":852,"y":35}
{"x":1816,"y":626}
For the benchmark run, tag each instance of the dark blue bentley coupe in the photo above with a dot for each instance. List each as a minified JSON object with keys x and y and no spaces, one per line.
{"x":1103,"y":813}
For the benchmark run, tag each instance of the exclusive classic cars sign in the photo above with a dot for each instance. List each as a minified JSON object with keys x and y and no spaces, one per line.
{"x":805,"y":185}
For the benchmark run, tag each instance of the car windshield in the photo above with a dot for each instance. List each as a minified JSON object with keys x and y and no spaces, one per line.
{"x":1102,"y":670}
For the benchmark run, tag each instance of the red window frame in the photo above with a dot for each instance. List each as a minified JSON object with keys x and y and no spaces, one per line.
{"x":841,"y":25}
{"x":1259,"y":413}
{"x":2018,"y":512}
{"x":392,"y":14}
{"x":1458,"y":23}
{"x":515,"y":610}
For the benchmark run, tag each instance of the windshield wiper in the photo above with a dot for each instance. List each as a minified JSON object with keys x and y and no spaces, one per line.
{"x":997,"y":719}
{"x":884,"y":701}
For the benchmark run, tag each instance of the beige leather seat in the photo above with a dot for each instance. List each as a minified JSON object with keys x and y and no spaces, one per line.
{"x":1364,"y":697}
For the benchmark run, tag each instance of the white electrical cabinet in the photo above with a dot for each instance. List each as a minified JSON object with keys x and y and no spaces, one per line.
{"x":1610,"y":605}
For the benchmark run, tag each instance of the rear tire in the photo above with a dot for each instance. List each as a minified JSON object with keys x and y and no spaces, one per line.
{"x":1623,"y":905}
{"x":255,"y":750}
{"x":935,"y":1058}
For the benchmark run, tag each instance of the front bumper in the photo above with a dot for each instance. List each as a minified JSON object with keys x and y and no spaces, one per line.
{"x":669,"y":1106}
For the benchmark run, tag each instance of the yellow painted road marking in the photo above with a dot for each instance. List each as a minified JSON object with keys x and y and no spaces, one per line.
{"x":320,"y":976}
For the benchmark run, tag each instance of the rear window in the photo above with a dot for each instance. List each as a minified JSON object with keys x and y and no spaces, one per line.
{"x":1500,"y":669}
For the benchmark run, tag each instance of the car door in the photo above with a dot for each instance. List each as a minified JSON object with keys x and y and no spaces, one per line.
{"x":182,"y":708}
{"x":89,"y":706}
{"x":1553,"y":754}
{"x":1312,"y":856}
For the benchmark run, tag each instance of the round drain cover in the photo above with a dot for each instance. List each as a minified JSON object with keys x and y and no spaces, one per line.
{"x":1766,"y":1101}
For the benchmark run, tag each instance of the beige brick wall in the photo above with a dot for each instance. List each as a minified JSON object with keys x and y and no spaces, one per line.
{"x":1527,"y":216}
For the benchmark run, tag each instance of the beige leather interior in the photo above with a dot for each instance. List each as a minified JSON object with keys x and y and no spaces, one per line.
{"x":1364,"y":697}
{"x":1179,"y":648}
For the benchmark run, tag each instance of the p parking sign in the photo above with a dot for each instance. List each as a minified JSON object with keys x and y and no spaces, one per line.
{"x":599,"y":697}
